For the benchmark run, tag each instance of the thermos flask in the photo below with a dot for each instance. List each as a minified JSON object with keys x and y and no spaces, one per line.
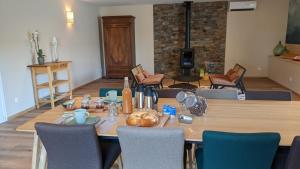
{"x":151,"y":98}
{"x":139,"y":97}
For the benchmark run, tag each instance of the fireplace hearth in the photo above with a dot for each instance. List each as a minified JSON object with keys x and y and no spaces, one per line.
{"x":207,"y":37}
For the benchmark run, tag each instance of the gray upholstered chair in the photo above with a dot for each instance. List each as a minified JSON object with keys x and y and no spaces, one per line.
{"x":151,"y":148}
{"x":293,"y":161}
{"x":288,"y":157}
{"x":76,"y":147}
{"x":268,"y":95}
{"x":230,"y":94}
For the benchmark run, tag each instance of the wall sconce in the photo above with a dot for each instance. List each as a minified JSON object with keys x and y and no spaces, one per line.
{"x":70,"y":17}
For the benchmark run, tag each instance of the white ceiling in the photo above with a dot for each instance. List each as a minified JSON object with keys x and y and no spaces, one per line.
{"x":136,"y":2}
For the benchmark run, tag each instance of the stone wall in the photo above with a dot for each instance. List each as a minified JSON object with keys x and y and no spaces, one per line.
{"x":208,"y":35}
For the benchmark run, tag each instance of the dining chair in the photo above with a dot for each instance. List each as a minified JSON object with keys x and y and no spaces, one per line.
{"x":151,"y":148}
{"x":188,"y":147}
{"x":237,"y":150}
{"x":229,"y":94}
{"x":280,"y":158}
{"x":103,"y":91}
{"x":76,"y":147}
{"x":268,"y":95}
{"x":293,"y":160}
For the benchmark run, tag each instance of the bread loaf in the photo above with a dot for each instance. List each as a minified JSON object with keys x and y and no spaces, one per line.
{"x":142,"y":119}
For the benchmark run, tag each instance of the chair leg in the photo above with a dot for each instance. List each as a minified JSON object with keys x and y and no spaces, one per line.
{"x":119,"y":162}
{"x":190,"y":156}
{"x":133,"y":84}
{"x":188,"y":149}
{"x":39,"y":154}
{"x":243,"y":87}
{"x":43,"y":158}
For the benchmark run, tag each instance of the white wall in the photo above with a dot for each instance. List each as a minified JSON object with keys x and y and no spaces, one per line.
{"x":3,"y":114}
{"x":144,"y":37}
{"x":79,"y":43}
{"x":252,"y":35}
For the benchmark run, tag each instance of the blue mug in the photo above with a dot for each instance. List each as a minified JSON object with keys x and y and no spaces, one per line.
{"x":81,"y":115}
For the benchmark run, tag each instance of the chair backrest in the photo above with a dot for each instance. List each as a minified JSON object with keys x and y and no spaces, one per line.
{"x":230,"y":94}
{"x":235,"y":150}
{"x":103,"y":91}
{"x":240,"y":70}
{"x":236,"y":67}
{"x":169,"y":93}
{"x":140,"y":68}
{"x":75,"y":147}
{"x":293,"y":161}
{"x":136,"y":70}
{"x":268,"y":95}
{"x":151,"y":148}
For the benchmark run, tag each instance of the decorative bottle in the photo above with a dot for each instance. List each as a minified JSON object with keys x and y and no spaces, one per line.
{"x":127,"y":97}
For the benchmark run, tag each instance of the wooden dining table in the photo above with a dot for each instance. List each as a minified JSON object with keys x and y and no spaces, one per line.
{"x":241,"y":116}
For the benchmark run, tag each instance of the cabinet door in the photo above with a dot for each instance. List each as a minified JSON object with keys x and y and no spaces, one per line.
{"x":118,"y":54}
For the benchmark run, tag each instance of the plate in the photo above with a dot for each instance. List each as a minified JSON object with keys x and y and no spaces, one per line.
{"x":89,"y":120}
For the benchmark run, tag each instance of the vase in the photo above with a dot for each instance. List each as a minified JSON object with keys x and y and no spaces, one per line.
{"x":279,"y":49}
{"x":41,"y":60}
{"x":206,"y":76}
{"x":202,"y":72}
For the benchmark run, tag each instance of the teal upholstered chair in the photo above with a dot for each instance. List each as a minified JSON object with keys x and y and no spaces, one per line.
{"x":237,"y":151}
{"x":103,"y":91}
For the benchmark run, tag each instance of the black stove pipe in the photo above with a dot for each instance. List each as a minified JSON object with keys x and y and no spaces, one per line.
{"x":188,"y":15}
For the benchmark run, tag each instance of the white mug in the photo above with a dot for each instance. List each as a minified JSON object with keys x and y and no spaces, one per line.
{"x":112,"y":95}
{"x":81,"y":115}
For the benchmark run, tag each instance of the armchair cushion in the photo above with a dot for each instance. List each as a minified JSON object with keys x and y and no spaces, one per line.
{"x":146,"y":73}
{"x":152,"y":80}
{"x":222,"y":81}
{"x":217,"y":76}
{"x":160,"y":76}
{"x":233,"y":76}
{"x":140,"y":77}
{"x":230,"y":72}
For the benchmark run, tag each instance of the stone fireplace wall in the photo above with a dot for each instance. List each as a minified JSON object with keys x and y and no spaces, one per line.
{"x":208,"y":35}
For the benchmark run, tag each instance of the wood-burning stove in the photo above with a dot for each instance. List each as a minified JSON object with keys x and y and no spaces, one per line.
{"x":187,"y":53}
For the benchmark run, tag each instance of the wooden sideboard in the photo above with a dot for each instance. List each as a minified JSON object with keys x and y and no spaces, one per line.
{"x":53,"y":83}
{"x":119,"y":45}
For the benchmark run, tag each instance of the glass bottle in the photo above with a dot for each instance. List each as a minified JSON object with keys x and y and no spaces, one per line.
{"x":127,"y":97}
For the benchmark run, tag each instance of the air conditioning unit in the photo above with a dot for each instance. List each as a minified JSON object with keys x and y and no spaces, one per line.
{"x":242,"y":5}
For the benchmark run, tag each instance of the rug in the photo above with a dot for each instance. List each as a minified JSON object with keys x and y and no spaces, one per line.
{"x":183,"y":86}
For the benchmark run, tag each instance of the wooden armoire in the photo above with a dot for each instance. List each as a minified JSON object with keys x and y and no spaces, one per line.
{"x":119,"y":45}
